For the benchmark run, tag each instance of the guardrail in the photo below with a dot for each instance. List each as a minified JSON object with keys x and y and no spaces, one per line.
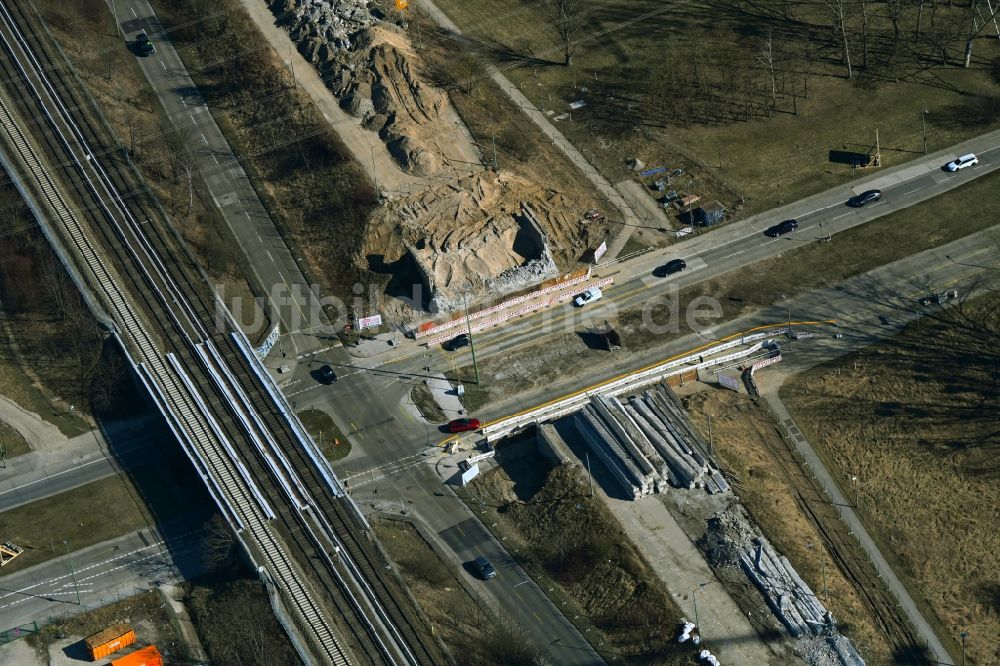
{"x":694,"y":361}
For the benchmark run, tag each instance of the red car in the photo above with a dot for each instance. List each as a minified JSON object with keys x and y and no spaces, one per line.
{"x":463,"y":425}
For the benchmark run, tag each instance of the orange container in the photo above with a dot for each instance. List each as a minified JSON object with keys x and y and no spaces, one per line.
{"x":147,"y":656}
{"x":110,"y":640}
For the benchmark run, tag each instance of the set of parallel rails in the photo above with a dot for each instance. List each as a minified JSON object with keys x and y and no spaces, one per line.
{"x":365,"y":564}
{"x":242,"y":502}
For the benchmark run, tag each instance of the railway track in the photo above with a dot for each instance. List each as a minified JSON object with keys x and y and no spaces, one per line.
{"x":287,"y":508}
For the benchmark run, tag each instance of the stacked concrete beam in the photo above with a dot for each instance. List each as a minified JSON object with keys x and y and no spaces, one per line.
{"x":792,"y":601}
{"x":608,"y":411}
{"x":683,"y":471}
{"x":633,"y":439}
{"x":607,"y":450}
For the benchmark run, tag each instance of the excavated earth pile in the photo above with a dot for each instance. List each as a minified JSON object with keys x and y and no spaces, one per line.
{"x":372,"y":69}
{"x":470,"y":240}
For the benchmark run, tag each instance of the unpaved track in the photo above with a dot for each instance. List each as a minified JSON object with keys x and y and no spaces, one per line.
{"x":461,"y":155}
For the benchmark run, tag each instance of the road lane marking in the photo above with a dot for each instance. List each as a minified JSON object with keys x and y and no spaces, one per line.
{"x":842,"y":215}
{"x":205,"y":141}
{"x":163,"y":66}
{"x":269,"y":256}
{"x":911,"y":191}
{"x":195,"y":122}
{"x":133,"y":12}
{"x":49,"y":477}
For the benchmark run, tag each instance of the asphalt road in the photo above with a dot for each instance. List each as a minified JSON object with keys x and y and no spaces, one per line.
{"x":220,"y":170}
{"x":100,"y":573}
{"x":49,"y":471}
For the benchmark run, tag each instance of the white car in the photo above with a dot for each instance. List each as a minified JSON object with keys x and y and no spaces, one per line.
{"x":589,"y":296}
{"x":962,"y":162}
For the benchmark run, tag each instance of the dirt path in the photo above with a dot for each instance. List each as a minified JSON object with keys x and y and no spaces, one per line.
{"x":369,"y":151}
{"x":36,"y":431}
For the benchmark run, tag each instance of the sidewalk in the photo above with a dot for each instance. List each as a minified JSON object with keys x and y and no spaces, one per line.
{"x":682,"y":568}
{"x":848,"y":515}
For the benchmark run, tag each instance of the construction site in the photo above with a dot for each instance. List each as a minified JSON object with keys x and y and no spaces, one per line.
{"x":435,"y":332}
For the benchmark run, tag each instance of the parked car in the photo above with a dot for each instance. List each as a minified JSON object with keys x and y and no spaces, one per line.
{"x":782,"y":228}
{"x":457,"y":342}
{"x":671,"y":267}
{"x":866,"y":197}
{"x":484,"y":568}
{"x":463,"y":425}
{"x":961,"y":162}
{"x":589,"y":296}
{"x":326,"y":375}
{"x":143,"y":45}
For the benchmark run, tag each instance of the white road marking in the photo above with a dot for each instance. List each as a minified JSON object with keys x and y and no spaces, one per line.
{"x":259,"y":239}
{"x":193,"y":120}
{"x":50,"y":476}
{"x":911,"y":191}
{"x":733,"y":254}
{"x":133,"y":12}
{"x":183,"y":101}
{"x":214,"y":158}
{"x":205,"y":141}
{"x":842,"y":215}
{"x":269,"y":256}
{"x":163,"y":66}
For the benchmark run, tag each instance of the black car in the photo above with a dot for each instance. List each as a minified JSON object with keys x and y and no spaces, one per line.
{"x":783,"y":228}
{"x":143,"y":45}
{"x":867,"y":197}
{"x":326,"y":375}
{"x":457,"y":342}
{"x":671,"y":267}
{"x":485,"y":569}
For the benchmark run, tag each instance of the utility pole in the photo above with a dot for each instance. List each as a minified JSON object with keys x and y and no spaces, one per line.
{"x":711,"y":441}
{"x":291,"y":63}
{"x":73,"y":573}
{"x":374,"y":173}
{"x":468,"y":328}
{"x":493,"y":138}
{"x":118,"y":27}
{"x":923,"y":125}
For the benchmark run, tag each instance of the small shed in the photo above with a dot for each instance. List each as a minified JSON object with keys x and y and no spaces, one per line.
{"x":710,"y":213}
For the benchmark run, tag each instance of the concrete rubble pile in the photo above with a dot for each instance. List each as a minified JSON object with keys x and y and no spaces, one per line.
{"x":326,"y":26}
{"x":732,"y":540}
{"x":647,"y":443}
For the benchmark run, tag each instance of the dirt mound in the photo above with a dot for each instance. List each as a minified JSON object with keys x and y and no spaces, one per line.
{"x":374,"y":72}
{"x":729,"y":533}
{"x":470,"y":239}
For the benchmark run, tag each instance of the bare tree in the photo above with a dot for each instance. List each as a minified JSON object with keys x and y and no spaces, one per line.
{"x":766,"y":58}
{"x":565,"y":22}
{"x":836,"y":8}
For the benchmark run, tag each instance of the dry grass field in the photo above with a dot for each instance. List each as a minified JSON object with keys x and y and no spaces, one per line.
{"x":690,"y":84}
{"x":915,"y":420}
{"x":770,"y":486}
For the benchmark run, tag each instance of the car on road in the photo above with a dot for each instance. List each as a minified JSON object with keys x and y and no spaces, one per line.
{"x":589,"y":296}
{"x":457,"y":342}
{"x":143,"y":45}
{"x":326,"y":375}
{"x":866,"y":197}
{"x":484,"y":568}
{"x":960,"y":163}
{"x":463,"y":425}
{"x":671,"y":267}
{"x":782,"y":228}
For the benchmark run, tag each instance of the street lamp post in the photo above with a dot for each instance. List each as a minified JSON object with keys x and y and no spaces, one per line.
{"x":694,"y":596}
{"x":857,"y":492}
{"x":964,"y":635}
{"x":517,"y":604}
